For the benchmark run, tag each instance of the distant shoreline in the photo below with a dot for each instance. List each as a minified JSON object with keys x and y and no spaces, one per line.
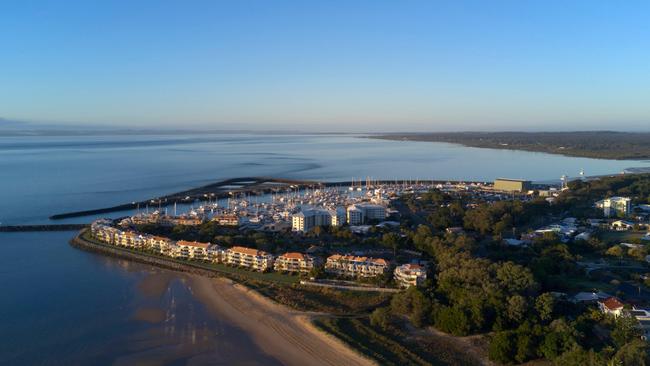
{"x":607,"y":145}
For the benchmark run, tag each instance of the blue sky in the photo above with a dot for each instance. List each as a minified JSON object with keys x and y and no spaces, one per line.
{"x":328,"y":65}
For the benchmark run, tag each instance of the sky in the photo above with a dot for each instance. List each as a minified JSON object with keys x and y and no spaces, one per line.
{"x":368,"y":66}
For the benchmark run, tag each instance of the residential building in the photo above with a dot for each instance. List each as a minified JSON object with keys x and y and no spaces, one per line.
{"x":352,"y":266}
{"x":410,"y":274}
{"x":250,"y":258}
{"x":611,"y":306}
{"x":339,"y":216}
{"x":621,"y":225}
{"x":306,"y":220}
{"x":193,"y":250}
{"x":159,"y":244}
{"x":227,"y":220}
{"x":294,"y":262}
{"x":616,"y":206}
{"x":362,"y":213}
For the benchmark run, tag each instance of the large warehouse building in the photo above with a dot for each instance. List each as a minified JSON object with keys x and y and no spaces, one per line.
{"x":512,"y":185}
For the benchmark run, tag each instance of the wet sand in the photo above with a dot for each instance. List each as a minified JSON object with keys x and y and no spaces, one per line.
{"x":282,"y":333}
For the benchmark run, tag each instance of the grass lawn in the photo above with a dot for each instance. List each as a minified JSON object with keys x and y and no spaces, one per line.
{"x":395,"y":346}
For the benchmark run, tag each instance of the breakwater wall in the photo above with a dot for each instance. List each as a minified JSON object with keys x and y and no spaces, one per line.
{"x":24,"y":228}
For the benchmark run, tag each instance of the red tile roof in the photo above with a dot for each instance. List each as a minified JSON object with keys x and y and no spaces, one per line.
{"x":613,"y":303}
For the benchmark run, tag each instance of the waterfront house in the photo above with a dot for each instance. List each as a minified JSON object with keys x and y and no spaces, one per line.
{"x":249,"y":258}
{"x":294,"y":262}
{"x":410,"y":274}
{"x":353,"y":266}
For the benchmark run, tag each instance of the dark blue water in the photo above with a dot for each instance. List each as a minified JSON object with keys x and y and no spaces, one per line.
{"x":62,"y":306}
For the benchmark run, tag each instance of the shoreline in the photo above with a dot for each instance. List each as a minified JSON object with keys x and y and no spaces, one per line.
{"x":299,"y":343}
{"x":422,"y":137}
{"x":283,"y":333}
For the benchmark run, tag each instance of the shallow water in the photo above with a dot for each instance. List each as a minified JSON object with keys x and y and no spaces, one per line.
{"x":63,"y":306}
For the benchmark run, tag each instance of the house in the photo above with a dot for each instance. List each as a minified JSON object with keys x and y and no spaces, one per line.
{"x":294,"y":262}
{"x":410,"y":274}
{"x":611,"y":306}
{"x":621,"y":225}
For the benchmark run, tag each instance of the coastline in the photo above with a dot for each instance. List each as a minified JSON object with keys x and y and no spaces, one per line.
{"x":283,"y":333}
{"x":545,"y":149}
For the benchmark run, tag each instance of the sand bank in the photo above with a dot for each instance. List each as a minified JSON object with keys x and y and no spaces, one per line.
{"x":284,"y":334}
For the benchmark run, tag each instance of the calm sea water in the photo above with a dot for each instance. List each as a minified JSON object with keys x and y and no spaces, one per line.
{"x":63,"y":306}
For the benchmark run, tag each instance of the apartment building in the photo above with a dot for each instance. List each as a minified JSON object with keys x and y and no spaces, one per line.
{"x":410,"y":274}
{"x":250,"y":258}
{"x":308,"y":219}
{"x":226,"y":220}
{"x":362,"y":213}
{"x":616,"y":206}
{"x":193,"y":250}
{"x":159,"y":244}
{"x":294,"y":262}
{"x":353,"y":266}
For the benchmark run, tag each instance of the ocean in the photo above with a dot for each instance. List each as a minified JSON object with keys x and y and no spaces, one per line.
{"x":63,"y":306}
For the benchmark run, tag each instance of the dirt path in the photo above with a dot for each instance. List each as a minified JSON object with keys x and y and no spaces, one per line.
{"x":285,"y":334}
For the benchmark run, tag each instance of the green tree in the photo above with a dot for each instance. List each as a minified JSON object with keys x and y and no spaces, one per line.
{"x":615,"y":251}
{"x":625,"y":330}
{"x":517,"y":308}
{"x":391,"y":240}
{"x":502,"y":348}
{"x":634,"y":353}
{"x":544,"y":305}
{"x":381,"y":318}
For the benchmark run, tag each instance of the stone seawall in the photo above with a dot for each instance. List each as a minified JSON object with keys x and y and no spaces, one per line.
{"x":24,"y":228}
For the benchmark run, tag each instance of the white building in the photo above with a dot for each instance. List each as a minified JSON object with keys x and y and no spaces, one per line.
{"x":611,"y":306}
{"x":615,"y":206}
{"x":339,"y":216}
{"x":361,"y":213}
{"x":294,"y":262}
{"x":193,"y":250}
{"x":410,"y":274}
{"x":249,"y":258}
{"x":306,"y":220}
{"x":348,"y":265}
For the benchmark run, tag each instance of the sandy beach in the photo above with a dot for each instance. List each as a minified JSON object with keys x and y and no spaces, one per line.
{"x":282,"y":333}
